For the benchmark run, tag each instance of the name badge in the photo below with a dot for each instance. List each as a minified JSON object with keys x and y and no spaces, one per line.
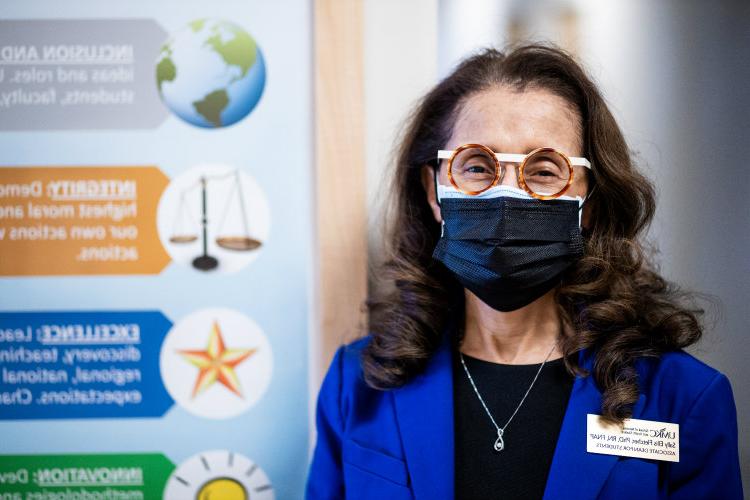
{"x":635,"y":438}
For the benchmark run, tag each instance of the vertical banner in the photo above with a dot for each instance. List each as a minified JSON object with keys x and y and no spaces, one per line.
{"x":155,"y":248}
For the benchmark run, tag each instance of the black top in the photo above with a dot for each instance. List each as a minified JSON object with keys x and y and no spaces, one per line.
{"x":520,"y":470}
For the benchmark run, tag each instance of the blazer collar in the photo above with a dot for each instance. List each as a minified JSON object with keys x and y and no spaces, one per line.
{"x":424,"y":412}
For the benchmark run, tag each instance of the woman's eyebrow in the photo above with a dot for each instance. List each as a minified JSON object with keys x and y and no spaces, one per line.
{"x":496,"y":149}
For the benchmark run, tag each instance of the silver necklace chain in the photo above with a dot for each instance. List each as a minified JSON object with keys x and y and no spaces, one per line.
{"x":499,"y":442}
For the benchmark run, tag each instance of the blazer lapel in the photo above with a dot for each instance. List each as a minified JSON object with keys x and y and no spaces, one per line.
{"x":576,"y":473}
{"x":424,"y":411}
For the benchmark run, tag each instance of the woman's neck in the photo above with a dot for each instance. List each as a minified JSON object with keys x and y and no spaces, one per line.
{"x":523,"y":336}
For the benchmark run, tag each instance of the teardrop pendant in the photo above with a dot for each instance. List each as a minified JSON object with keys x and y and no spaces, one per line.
{"x":499,"y":443}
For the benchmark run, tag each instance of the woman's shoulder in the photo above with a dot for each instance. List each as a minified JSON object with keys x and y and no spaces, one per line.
{"x":352,"y":350}
{"x":678,"y":381}
{"x":347,"y":395}
{"x":678,"y":367}
{"x":345,"y":375}
{"x":348,"y":358}
{"x":679,"y":360}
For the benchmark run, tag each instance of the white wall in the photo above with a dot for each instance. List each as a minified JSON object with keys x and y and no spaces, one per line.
{"x":400,"y":66}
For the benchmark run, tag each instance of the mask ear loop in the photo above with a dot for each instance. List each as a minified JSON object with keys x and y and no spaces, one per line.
{"x":585,"y":199}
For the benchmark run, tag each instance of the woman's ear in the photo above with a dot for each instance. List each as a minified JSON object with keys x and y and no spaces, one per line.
{"x":428,"y":183}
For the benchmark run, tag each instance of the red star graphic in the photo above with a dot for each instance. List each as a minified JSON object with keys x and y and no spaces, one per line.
{"x":216,"y":363}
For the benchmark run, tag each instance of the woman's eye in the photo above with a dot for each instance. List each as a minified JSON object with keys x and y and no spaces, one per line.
{"x":544,"y":173}
{"x":476,"y":169}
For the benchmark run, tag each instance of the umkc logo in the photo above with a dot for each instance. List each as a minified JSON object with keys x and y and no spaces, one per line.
{"x":662,"y":433}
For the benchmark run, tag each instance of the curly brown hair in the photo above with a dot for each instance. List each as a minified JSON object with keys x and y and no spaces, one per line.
{"x":613,"y":298}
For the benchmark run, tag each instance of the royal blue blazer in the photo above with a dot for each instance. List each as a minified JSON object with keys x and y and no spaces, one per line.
{"x":398,"y":444}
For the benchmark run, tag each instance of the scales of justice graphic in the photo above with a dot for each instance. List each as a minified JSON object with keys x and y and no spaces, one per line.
{"x":187,"y":231}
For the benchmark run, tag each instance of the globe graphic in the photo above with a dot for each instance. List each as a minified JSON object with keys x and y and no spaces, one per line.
{"x":210,"y":73}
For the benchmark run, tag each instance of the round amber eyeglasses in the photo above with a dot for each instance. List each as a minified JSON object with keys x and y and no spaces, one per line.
{"x":544,"y":173}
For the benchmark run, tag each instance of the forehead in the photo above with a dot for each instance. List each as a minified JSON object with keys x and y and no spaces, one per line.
{"x":512,"y":121}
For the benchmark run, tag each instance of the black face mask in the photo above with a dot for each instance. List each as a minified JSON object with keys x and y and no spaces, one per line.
{"x":509,"y":251}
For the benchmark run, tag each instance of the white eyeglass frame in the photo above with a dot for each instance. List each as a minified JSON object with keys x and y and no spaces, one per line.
{"x":519,"y":158}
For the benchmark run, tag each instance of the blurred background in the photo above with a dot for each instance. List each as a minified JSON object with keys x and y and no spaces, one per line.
{"x":675,"y":74}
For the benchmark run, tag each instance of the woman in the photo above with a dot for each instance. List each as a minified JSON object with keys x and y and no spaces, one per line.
{"x":523,"y":317}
